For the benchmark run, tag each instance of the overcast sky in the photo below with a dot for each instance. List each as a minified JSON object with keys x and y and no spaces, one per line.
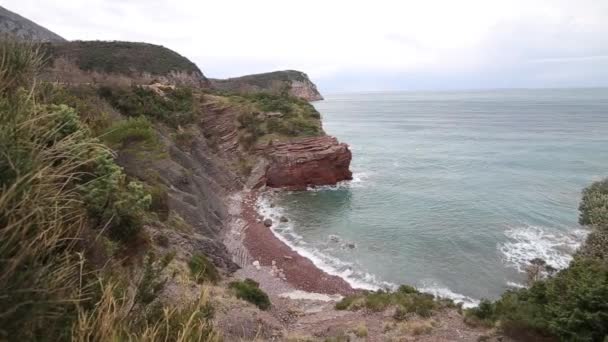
{"x":359,"y":45}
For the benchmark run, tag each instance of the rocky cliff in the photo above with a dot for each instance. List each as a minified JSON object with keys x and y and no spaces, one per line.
{"x":14,"y":24}
{"x":119,"y":63}
{"x":306,"y":162}
{"x":292,"y":82}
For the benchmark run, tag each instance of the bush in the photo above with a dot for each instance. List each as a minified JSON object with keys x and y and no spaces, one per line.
{"x":594,"y":205}
{"x":131,"y":130}
{"x":113,"y":201}
{"x":406,"y":299}
{"x":249,"y":290}
{"x":202,"y":270}
{"x":175,"y":107}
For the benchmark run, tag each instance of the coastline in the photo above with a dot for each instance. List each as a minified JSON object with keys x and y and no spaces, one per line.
{"x":263,"y":246}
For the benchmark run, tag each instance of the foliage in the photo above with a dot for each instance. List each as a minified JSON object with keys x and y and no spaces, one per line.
{"x":19,"y":63}
{"x":151,"y":283}
{"x":41,"y":215}
{"x":108,"y":320}
{"x":57,"y":183}
{"x":130,"y":130}
{"x":594,"y":205}
{"x":202,"y":270}
{"x":93,"y":111}
{"x":406,"y":299}
{"x":275,"y":115}
{"x":122,"y":57}
{"x":116,"y":203}
{"x":250,"y":291}
{"x":174,"y":107}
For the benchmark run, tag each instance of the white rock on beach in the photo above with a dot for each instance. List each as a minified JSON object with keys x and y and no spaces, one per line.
{"x":334,"y":238}
{"x":256,"y":264}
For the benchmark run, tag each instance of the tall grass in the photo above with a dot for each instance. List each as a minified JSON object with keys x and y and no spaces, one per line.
{"x":41,"y":214}
{"x":49,"y":291}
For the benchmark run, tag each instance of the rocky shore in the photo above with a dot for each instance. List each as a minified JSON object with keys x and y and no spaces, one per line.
{"x":266,"y":250}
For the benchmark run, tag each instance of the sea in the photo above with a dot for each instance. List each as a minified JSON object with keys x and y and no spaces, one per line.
{"x":452,"y":192}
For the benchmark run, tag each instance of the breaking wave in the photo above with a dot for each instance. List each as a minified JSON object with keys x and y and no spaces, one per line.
{"x":530,"y":242}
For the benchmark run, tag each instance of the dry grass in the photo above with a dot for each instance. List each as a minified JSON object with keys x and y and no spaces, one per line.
{"x":360,"y":330}
{"x":416,"y":327}
{"x":109,"y":321}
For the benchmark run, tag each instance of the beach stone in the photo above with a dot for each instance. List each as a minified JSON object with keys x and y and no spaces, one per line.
{"x":272,"y":205}
{"x":334,"y":238}
{"x":284,"y":219}
{"x":351,"y":245}
{"x":274,"y":263}
{"x":287,"y":257}
{"x":256,"y":264}
{"x":268,"y":222}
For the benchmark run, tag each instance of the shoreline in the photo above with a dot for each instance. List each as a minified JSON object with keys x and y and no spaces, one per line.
{"x":299,"y":272}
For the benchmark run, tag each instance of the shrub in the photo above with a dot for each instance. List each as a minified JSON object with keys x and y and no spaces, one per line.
{"x":43,"y":273}
{"x":202,"y":270}
{"x":406,"y":299}
{"x":131,"y":130}
{"x":360,"y":330}
{"x":594,"y":205}
{"x":250,"y":291}
{"x":175,"y":107}
{"x":150,"y":284}
{"x":113,"y":201}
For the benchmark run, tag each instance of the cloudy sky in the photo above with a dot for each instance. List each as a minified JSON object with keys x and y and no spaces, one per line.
{"x":359,"y":45}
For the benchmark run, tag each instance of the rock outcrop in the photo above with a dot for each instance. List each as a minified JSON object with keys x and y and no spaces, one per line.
{"x":295,"y":83}
{"x":307,"y":162}
{"x":14,"y":24}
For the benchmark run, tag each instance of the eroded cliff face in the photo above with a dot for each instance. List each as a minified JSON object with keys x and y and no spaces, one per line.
{"x":302,"y":163}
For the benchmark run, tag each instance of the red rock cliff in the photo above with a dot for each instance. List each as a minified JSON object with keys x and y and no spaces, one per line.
{"x":305,"y":162}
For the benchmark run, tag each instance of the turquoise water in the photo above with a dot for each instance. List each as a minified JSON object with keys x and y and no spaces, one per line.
{"x":454,"y":191}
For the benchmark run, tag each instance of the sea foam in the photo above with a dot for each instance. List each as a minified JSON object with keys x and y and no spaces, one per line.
{"x":331,"y":265}
{"x":530,"y":242}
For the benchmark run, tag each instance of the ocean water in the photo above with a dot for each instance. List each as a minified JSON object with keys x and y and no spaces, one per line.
{"x":453,"y":192}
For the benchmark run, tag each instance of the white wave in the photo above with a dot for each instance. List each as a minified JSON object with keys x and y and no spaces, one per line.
{"x":444,"y":292}
{"x":515,"y":285}
{"x":359,"y":179}
{"x":530,"y":242}
{"x":331,"y":265}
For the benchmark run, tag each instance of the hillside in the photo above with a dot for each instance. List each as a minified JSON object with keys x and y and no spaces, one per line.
{"x":129,"y":212}
{"x":14,"y":24}
{"x":118,"y":62}
{"x":292,"y":82}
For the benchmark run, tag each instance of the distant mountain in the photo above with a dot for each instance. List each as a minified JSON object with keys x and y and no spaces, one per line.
{"x":295,"y":83}
{"x":21,"y":27}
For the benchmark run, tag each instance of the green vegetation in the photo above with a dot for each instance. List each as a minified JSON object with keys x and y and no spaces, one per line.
{"x":406,"y":299}
{"x":250,"y":291}
{"x":202,"y":270}
{"x":274,"y":116}
{"x":594,"y":205}
{"x":66,"y":208}
{"x":174,"y":107}
{"x":130,"y":130}
{"x":571,"y":305}
{"x":122,"y":57}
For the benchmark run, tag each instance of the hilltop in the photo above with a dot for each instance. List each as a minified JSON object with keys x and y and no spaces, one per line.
{"x":292,"y":82}
{"x":116,"y":62}
{"x":13,"y":23}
